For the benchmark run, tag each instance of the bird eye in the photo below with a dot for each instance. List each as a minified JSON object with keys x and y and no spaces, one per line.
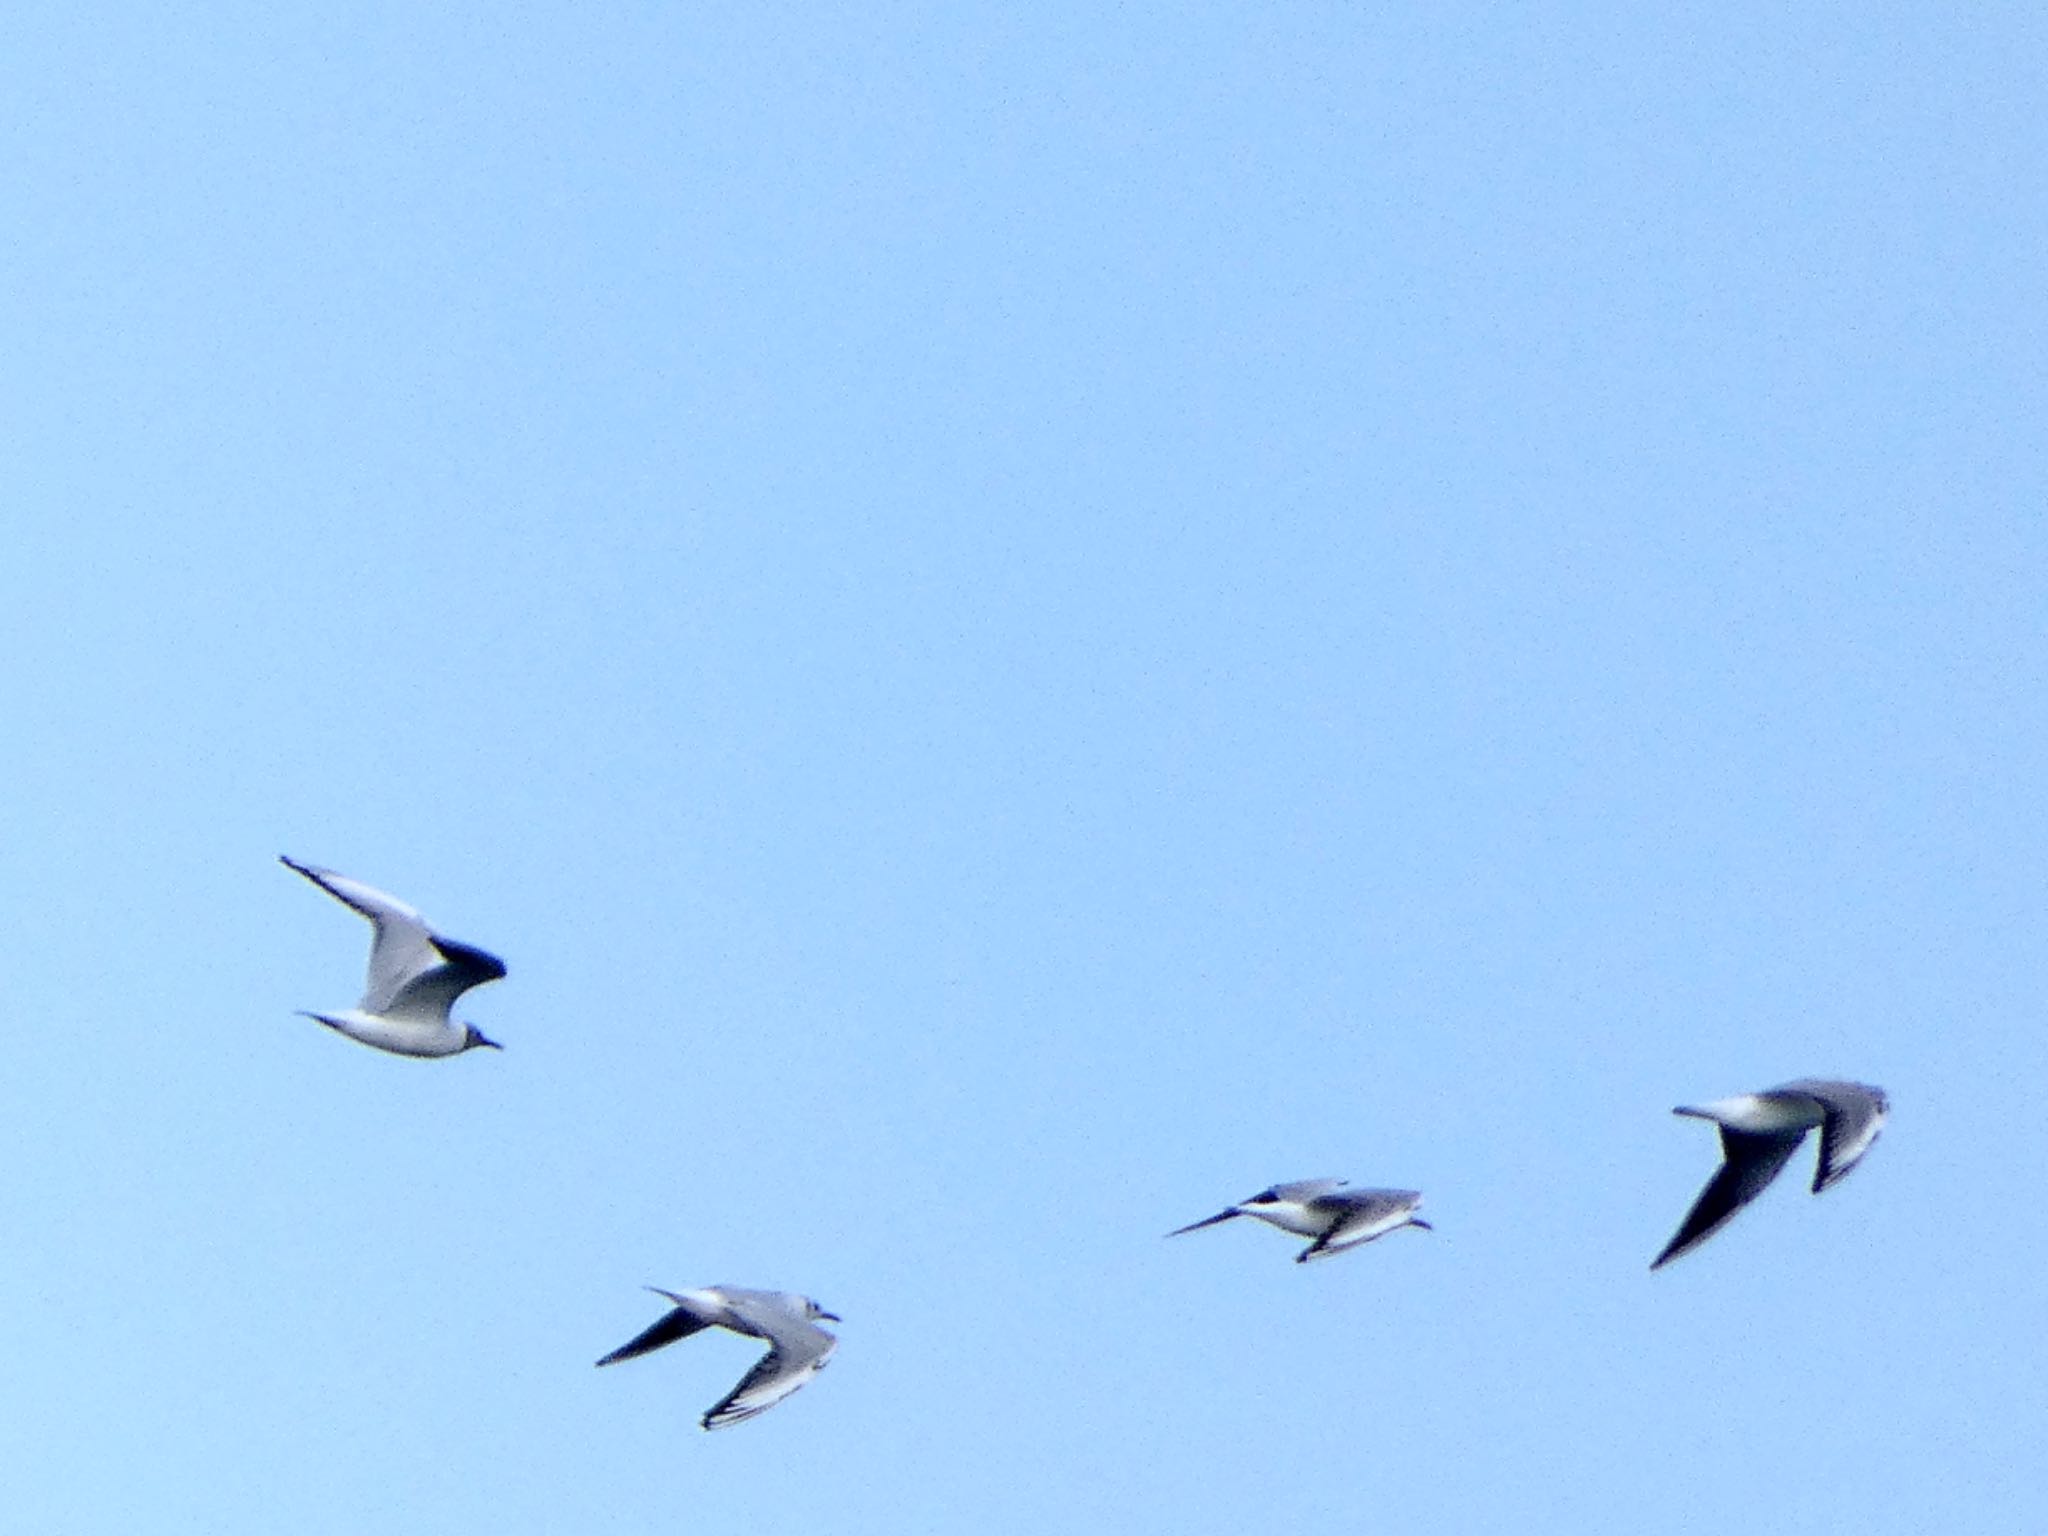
{"x":1264,"y":1197}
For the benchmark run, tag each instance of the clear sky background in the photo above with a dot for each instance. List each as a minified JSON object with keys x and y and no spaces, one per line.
{"x":1020,"y":621}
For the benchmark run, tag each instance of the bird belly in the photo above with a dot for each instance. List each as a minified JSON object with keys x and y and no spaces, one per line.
{"x":398,"y":1036}
{"x":1292,"y":1218}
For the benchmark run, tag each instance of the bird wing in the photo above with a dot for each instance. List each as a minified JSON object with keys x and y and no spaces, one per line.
{"x":678,"y":1323}
{"x":1206,"y":1221}
{"x":1749,"y":1161}
{"x":799,"y":1351}
{"x":1851,"y":1116}
{"x":429,"y":994}
{"x":403,"y":945}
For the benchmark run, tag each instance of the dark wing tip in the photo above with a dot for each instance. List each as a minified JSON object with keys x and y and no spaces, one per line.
{"x":1206,"y":1221}
{"x":481,"y":963}
{"x":1686,"y":1239}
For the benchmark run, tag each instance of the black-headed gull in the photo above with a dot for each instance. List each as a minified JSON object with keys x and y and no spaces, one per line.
{"x":1337,"y":1218}
{"x":797,"y":1347}
{"x":1759,"y":1134}
{"x":415,"y":976}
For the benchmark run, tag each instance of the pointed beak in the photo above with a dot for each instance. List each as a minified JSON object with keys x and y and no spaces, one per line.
{"x":1196,"y":1226}
{"x":832,"y":1317}
{"x":487,"y":1040}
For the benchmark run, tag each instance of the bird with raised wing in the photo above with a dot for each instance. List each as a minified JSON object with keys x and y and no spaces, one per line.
{"x":415,"y":976}
{"x":1337,"y":1217}
{"x":797,"y":1347}
{"x":1759,"y":1134}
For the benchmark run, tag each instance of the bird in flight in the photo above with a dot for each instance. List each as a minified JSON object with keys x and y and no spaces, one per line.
{"x":415,"y":976}
{"x":1338,"y":1218}
{"x":1759,"y":1134}
{"x":797,"y":1347}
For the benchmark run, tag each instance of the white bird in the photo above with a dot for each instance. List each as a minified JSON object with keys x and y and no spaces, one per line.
{"x":797,"y":1347}
{"x":415,"y":976}
{"x":1759,"y":1134}
{"x":1337,"y":1218}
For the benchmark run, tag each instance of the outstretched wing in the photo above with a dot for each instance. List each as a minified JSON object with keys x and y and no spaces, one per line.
{"x":1206,"y":1221}
{"x":798,"y":1354}
{"x":1851,"y":1116}
{"x":678,"y":1323}
{"x":429,"y":995}
{"x":403,"y":946}
{"x":1750,"y":1160}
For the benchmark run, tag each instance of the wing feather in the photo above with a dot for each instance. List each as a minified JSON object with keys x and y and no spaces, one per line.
{"x":678,"y":1323}
{"x":402,"y":947}
{"x":795,"y":1358}
{"x":1750,"y":1160}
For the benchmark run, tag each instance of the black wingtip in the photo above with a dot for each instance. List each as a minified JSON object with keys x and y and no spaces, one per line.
{"x":1677,"y":1248}
{"x":488,"y":966}
{"x":1206,"y":1221}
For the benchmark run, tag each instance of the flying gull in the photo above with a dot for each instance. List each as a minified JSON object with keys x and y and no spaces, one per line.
{"x":1759,"y":1134}
{"x":797,"y":1347}
{"x":415,"y":976}
{"x":1324,"y":1209}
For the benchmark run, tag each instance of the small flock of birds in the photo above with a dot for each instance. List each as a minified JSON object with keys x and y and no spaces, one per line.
{"x":416,"y":975}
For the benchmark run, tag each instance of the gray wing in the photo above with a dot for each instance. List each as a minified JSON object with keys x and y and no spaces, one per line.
{"x":679,"y":1323}
{"x":403,"y":946}
{"x":799,"y":1351}
{"x":1750,"y":1160}
{"x":1852,"y":1115}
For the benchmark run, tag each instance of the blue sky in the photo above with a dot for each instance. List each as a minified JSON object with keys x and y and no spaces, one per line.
{"x":1019,"y":623}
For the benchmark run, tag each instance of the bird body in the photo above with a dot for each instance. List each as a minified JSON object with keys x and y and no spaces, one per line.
{"x":415,"y":976}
